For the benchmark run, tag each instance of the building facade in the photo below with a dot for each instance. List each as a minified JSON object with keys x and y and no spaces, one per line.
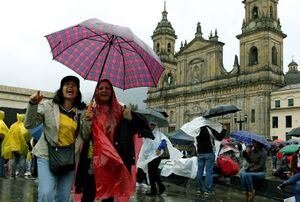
{"x":195,"y":80}
{"x":285,"y":105}
{"x":14,"y":100}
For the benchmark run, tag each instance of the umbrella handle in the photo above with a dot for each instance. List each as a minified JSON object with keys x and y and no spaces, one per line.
{"x":91,"y":104}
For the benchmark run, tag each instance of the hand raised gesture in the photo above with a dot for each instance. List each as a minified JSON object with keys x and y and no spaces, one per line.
{"x":36,"y":98}
{"x":127,"y":114}
{"x":90,"y":112}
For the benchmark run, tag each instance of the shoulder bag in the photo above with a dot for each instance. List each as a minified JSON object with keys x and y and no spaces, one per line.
{"x":62,"y":158}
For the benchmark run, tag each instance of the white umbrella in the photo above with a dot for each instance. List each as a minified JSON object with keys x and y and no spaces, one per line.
{"x":192,"y":128}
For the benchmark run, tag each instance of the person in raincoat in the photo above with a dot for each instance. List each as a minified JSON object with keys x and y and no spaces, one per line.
{"x":3,"y":132}
{"x":106,"y":160}
{"x":15,"y":147}
{"x":151,"y":156}
{"x":65,"y":122}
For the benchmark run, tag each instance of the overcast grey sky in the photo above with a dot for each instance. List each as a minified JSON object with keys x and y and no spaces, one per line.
{"x":25,"y":55}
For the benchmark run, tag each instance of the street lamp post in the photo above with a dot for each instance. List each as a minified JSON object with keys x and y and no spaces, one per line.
{"x":241,"y":121}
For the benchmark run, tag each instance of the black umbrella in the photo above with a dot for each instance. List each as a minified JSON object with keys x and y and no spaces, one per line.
{"x":220,"y":110}
{"x":294,"y":132}
{"x":180,"y":137}
{"x":154,"y":116}
{"x":163,"y":112}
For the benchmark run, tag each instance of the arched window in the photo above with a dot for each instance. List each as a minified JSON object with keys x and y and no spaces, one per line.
{"x":169,"y":48}
{"x":253,"y":56}
{"x":274,"y":55}
{"x":271,"y":12}
{"x":157,"y":48}
{"x":255,"y":12}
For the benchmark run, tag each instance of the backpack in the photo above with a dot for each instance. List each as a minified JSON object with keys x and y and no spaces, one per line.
{"x":228,"y":167}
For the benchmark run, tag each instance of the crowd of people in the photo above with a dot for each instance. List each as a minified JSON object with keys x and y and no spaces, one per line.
{"x":109,"y":143}
{"x":100,"y":138}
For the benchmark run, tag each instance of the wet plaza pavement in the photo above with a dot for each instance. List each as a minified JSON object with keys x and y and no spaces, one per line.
{"x":19,"y":190}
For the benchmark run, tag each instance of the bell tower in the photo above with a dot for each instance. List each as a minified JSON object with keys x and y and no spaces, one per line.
{"x":164,"y":38}
{"x":261,"y":42}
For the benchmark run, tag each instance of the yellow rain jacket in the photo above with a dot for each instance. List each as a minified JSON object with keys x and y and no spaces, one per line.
{"x":14,"y":141}
{"x":3,"y":127}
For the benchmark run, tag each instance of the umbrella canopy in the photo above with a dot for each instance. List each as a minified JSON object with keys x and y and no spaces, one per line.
{"x":288,"y":149}
{"x":154,"y":116}
{"x":220,"y":110}
{"x":247,"y":137}
{"x":279,"y":140}
{"x":294,"y":132}
{"x":192,"y":128}
{"x":180,"y":137}
{"x":36,"y":132}
{"x":98,"y":50}
{"x":292,"y":141}
{"x":226,"y":141}
{"x":226,"y":149}
{"x":162,"y":111}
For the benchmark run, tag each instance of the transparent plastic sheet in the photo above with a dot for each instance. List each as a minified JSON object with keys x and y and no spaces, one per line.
{"x":111,"y":175}
{"x":186,"y":167}
{"x":148,"y":151}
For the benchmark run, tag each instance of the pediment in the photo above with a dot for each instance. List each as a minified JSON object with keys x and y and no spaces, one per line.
{"x":197,"y":44}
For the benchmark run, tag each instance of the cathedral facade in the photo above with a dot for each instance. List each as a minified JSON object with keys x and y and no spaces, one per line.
{"x":195,"y":80}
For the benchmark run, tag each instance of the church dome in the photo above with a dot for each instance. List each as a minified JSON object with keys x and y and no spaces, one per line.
{"x":164,"y":26}
{"x":292,"y":64}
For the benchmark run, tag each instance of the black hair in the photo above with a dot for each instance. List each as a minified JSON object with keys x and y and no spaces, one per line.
{"x":59,"y":99}
{"x":259,"y":145}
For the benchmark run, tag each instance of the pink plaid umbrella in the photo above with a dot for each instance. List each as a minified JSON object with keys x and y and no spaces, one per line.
{"x":97,"y":50}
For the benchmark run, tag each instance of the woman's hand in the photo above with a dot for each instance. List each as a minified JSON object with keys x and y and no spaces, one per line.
{"x":157,"y":152}
{"x":89,"y":113}
{"x":127,"y":114}
{"x":36,"y":98}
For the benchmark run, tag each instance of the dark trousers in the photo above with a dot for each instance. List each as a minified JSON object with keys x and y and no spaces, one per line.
{"x":89,"y":190}
{"x":154,"y":175}
{"x":2,"y":161}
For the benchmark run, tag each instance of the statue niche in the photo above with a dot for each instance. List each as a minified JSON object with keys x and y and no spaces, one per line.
{"x":169,"y":79}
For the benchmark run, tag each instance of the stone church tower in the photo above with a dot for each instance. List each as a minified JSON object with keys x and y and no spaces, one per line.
{"x":195,"y":79}
{"x":164,"y":45}
{"x":261,"y":42}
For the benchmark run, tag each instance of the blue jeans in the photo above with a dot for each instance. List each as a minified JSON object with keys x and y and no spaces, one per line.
{"x":294,"y":180}
{"x":18,"y":164}
{"x":52,"y":187}
{"x":206,"y":160}
{"x":247,"y":179}
{"x":297,"y":191}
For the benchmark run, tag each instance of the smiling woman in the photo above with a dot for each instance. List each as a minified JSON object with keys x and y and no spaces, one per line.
{"x":65,"y":125}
